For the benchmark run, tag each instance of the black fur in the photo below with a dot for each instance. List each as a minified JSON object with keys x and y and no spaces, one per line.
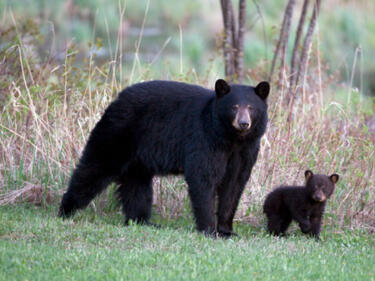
{"x":163,"y":127}
{"x":304,"y":204}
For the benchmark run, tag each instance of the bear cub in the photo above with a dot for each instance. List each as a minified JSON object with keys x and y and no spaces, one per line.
{"x":304,"y":204}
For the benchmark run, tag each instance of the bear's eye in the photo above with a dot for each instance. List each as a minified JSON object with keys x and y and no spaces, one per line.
{"x":235,"y":107}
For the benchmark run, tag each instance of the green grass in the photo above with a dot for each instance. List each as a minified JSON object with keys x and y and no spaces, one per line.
{"x":36,"y":245}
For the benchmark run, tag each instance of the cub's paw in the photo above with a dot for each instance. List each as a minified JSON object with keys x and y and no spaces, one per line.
{"x":305,"y":228}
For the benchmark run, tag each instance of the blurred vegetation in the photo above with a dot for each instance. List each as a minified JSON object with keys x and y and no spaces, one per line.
{"x":343,"y":27}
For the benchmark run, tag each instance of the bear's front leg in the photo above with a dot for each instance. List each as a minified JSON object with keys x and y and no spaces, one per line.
{"x":202,"y":197}
{"x":203,"y":203}
{"x":201,"y":189}
{"x":316,"y":222}
{"x":230,"y":190}
{"x":229,"y":194}
{"x":304,"y":224}
{"x":301,"y":217}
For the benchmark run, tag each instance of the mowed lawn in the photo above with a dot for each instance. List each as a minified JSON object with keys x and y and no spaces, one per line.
{"x":37,"y":245}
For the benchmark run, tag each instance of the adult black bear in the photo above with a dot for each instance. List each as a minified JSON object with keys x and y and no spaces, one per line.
{"x":304,"y":204}
{"x":163,"y":127}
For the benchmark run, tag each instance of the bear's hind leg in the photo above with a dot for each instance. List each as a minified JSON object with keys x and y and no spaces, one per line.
{"x":286,"y":220}
{"x":274,"y":224}
{"x":135,"y":192}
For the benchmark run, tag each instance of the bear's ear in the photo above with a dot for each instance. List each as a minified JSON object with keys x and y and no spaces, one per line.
{"x":334,"y":178}
{"x":262,"y":90}
{"x":221,"y":88}
{"x":308,"y":174}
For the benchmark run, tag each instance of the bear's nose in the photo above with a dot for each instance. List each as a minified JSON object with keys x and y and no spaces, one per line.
{"x":319,"y":198}
{"x":244,"y":125}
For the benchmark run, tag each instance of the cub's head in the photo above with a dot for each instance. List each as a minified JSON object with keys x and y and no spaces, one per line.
{"x":320,"y":187}
{"x":242,"y":108}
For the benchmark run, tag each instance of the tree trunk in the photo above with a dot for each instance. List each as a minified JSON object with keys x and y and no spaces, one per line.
{"x":233,"y":39}
{"x":307,"y":44}
{"x":227,"y":46}
{"x":285,"y":25}
{"x":285,"y":40}
{"x":301,"y":22}
{"x":240,"y":42}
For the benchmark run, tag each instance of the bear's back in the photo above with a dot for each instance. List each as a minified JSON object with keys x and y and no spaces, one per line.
{"x":162,"y":92}
{"x":282,"y":197}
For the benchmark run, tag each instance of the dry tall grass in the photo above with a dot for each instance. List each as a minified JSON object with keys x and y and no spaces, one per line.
{"x":47,"y":110}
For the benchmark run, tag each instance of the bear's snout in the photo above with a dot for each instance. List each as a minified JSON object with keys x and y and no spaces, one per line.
{"x":242,"y":120}
{"x":319,"y":196}
{"x":244,"y":125}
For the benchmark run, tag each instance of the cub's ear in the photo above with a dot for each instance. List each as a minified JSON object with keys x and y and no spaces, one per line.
{"x":262,"y":90}
{"x":221,"y":88}
{"x":334,"y":178}
{"x":308,"y":174}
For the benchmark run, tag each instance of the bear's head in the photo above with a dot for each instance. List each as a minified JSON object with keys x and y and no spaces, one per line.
{"x":242,"y":108}
{"x":320,"y":187}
